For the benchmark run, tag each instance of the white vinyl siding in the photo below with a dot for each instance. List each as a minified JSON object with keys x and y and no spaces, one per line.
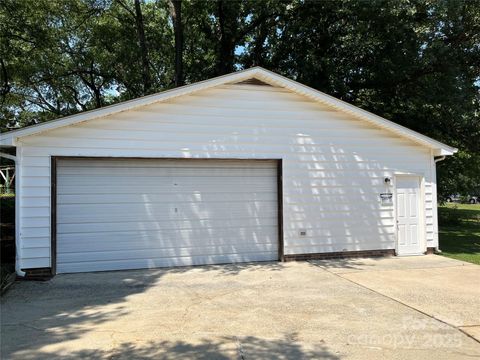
{"x":333,"y":165}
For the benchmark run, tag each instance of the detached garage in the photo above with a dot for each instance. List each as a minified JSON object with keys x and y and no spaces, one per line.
{"x":245,"y":167}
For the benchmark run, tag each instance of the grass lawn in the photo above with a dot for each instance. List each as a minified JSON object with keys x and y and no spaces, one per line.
{"x":459,"y":230}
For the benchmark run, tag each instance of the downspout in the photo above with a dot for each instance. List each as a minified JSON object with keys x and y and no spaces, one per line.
{"x":439,"y":158}
{"x":17,"y":210}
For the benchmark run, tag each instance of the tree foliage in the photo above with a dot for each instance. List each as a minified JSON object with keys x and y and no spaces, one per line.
{"x":415,"y":62}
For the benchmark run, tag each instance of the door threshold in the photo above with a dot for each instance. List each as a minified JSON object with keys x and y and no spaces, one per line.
{"x":416,"y":254}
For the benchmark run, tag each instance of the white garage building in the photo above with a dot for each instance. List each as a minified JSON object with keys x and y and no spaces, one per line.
{"x":249,"y":166}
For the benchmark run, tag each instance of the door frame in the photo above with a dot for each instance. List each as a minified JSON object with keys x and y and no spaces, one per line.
{"x":421,"y":200}
{"x":53,"y":195}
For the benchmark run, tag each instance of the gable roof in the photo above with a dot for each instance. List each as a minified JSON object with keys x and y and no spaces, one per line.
{"x":258,"y":73}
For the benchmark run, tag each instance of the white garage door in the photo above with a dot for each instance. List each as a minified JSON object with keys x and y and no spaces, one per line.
{"x":129,"y":213}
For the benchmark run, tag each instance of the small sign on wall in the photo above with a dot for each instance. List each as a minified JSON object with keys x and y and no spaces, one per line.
{"x":386,"y":198}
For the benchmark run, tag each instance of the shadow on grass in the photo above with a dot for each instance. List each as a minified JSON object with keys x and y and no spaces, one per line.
{"x":461,"y":242}
{"x":460,"y":232}
{"x":459,"y":214}
{"x":461,"y":238}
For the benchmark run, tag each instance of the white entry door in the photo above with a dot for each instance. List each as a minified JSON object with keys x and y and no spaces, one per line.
{"x":409,"y":239}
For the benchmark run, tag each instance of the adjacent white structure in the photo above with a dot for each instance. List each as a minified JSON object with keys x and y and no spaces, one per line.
{"x":250,"y":166}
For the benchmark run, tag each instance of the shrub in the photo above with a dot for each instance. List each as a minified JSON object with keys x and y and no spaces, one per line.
{"x":7,"y":208}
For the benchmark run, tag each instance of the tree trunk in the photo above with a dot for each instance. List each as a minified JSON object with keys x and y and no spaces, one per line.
{"x":226,"y":48}
{"x":98,"y":97}
{"x":258,"y":50}
{"x":147,"y":82}
{"x":5,"y":83}
{"x":176,"y":13}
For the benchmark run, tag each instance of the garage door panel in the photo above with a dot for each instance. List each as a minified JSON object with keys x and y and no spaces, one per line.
{"x":162,"y":163}
{"x":168,"y":197}
{"x":168,"y":243}
{"x":141,"y":224}
{"x":165,"y":252}
{"x":113,"y":214}
{"x":192,"y":210}
{"x":180,"y":181}
{"x":158,"y":239}
{"x":151,"y":263}
{"x":200,"y":235}
{"x":174,"y":172}
{"x":138,"y":188}
{"x":164,"y":216}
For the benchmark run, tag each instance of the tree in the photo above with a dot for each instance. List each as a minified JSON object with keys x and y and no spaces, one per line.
{"x":137,"y":15}
{"x":415,"y":62}
{"x":176,"y":13}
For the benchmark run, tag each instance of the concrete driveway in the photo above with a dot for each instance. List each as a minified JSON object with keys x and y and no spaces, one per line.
{"x":402,"y":308}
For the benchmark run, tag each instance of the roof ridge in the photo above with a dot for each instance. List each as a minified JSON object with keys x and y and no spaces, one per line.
{"x":258,"y":73}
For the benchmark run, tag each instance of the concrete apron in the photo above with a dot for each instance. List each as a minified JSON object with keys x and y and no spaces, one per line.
{"x":447,"y":290}
{"x":246,"y":311}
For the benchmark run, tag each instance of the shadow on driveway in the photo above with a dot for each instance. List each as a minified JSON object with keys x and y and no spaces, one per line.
{"x":273,"y":310}
{"x":35,"y":315}
{"x":205,"y":349}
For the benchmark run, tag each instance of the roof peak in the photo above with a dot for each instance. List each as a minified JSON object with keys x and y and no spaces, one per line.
{"x":263,"y":75}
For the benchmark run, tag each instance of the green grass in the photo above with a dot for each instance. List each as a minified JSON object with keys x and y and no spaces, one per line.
{"x":459,"y":230}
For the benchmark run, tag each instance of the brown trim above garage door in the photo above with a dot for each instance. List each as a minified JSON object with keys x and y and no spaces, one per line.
{"x":53,"y":215}
{"x":280,"y":209}
{"x":53,"y":209}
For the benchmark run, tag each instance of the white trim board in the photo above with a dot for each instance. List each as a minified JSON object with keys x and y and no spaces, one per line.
{"x":271,"y":78}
